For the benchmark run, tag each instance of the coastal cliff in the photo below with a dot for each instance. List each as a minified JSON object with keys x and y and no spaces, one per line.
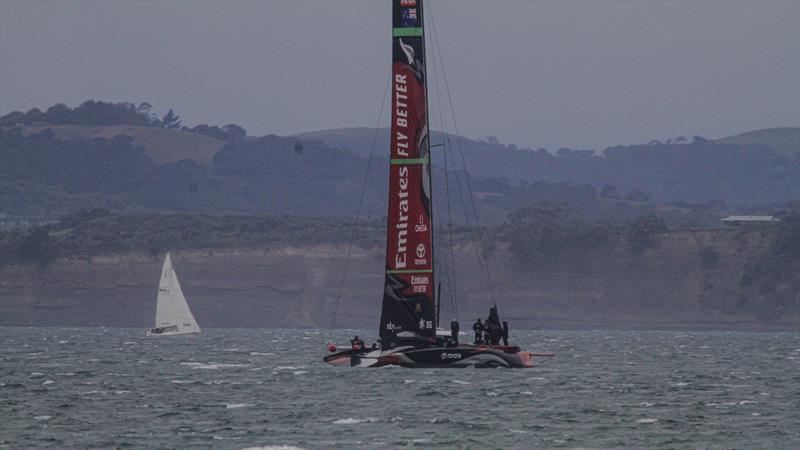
{"x":685,"y":279}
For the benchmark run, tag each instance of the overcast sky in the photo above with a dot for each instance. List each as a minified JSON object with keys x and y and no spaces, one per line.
{"x":539,"y":73}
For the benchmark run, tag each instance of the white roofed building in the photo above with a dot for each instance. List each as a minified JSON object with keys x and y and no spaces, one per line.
{"x":749,"y":220}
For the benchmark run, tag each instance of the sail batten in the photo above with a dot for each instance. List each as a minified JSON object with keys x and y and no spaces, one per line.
{"x":408,"y":301}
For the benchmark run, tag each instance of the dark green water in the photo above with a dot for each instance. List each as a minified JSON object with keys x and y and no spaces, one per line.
{"x":107,"y":388}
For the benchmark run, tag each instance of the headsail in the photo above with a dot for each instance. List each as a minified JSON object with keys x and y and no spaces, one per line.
{"x":171,"y":308}
{"x":408,"y":299}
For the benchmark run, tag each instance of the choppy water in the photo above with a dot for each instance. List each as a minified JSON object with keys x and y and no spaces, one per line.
{"x":106,"y":388}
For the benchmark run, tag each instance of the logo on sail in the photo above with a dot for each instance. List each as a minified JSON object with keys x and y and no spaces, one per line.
{"x":409,"y":51}
{"x":421,"y":226}
{"x":409,"y":17}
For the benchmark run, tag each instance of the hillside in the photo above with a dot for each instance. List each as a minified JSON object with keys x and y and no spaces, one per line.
{"x":120,"y":157}
{"x":102,"y":269}
{"x":164,"y":146}
{"x":696,"y":171}
{"x":785,"y":141}
{"x":45,"y":174}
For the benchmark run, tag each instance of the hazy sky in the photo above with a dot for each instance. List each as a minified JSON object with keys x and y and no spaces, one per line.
{"x":538,"y":73}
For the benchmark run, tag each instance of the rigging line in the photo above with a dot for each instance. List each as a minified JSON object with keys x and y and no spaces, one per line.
{"x":480,"y":250}
{"x":354,"y":229}
{"x":450,"y":272}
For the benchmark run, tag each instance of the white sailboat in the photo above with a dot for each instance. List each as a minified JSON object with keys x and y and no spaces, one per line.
{"x":173,"y":316}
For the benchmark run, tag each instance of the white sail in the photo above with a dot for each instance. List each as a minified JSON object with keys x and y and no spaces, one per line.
{"x":172,"y":312}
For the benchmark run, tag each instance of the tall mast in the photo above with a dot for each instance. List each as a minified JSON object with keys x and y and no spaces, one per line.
{"x":408,"y":311}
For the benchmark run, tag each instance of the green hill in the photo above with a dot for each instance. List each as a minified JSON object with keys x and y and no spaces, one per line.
{"x":785,"y":140}
{"x":163,"y":145}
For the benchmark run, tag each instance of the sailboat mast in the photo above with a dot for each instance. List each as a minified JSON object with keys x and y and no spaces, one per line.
{"x":408,"y":310}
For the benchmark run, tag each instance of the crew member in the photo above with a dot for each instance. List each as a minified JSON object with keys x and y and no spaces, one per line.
{"x":478,"y":329}
{"x":357,"y":344}
{"x":454,"y":333}
{"x":493,"y":327}
{"x":505,"y":333}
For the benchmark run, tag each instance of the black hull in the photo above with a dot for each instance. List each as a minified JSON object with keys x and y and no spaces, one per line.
{"x":437,"y":357}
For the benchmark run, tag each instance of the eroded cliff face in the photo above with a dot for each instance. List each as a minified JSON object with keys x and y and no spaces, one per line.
{"x":685,"y":280}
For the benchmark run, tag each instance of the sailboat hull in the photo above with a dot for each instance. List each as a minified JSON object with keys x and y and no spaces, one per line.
{"x":437,"y":357}
{"x":171,"y":331}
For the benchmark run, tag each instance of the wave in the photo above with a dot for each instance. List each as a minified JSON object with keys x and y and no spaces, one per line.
{"x":238,"y":405}
{"x":275,"y":447}
{"x":213,"y":366}
{"x":350,"y":420}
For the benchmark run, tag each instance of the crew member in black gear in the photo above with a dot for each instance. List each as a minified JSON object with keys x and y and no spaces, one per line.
{"x":478,"y":329}
{"x":487,"y":333}
{"x":493,"y":327}
{"x":357,"y":344}
{"x":505,"y":333}
{"x":454,"y":333}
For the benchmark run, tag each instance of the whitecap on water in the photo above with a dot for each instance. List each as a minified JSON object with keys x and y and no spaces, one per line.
{"x":42,"y":417}
{"x":237,"y":405}
{"x":517,"y":431}
{"x":646,"y":404}
{"x":299,"y":372}
{"x":732,"y":403}
{"x":409,"y":381}
{"x":37,"y":375}
{"x":526,"y":393}
{"x":680,"y":384}
{"x":91,"y":392}
{"x":261,"y":354}
{"x":350,"y":420}
{"x":648,"y":420}
{"x":214,"y":366}
{"x":275,"y":447}
{"x":461,"y":382}
{"x":182,"y":381}
{"x":48,"y":382}
{"x":491,"y":394}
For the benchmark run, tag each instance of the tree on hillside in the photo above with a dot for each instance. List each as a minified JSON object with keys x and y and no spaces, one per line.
{"x":58,"y":114}
{"x":234,"y":133}
{"x":171,"y":120}
{"x":12,"y":118}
